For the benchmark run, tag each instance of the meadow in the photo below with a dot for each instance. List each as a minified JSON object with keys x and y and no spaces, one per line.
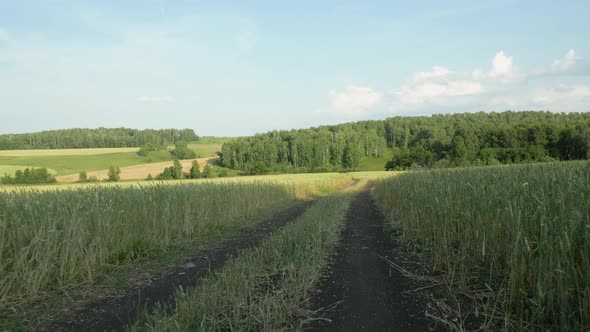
{"x":515,"y":238}
{"x":53,"y":241}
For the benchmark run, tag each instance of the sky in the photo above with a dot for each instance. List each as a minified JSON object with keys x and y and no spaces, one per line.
{"x":231,"y":68}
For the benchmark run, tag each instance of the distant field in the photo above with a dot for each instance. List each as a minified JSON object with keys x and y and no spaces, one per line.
{"x":64,"y":152}
{"x":73,"y":161}
{"x":205,"y":150}
{"x":137,"y":171}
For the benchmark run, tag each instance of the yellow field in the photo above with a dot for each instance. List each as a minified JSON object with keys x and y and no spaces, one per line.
{"x":138,"y":172}
{"x":64,"y":152}
{"x":299,"y":178}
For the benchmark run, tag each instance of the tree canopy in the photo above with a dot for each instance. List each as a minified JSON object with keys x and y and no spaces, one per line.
{"x":434,"y":141}
{"x":95,"y":138}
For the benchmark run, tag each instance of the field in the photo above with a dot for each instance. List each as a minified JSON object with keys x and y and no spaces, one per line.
{"x":73,"y":161}
{"x":510,"y":244}
{"x":516,"y":237}
{"x":54,"y":240}
{"x":139,"y":171}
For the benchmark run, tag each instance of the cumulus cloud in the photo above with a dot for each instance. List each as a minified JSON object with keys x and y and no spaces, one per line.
{"x":499,"y":87}
{"x":569,"y":65}
{"x":353,"y":100}
{"x":157,"y":99}
{"x":502,"y":66}
{"x":502,"y":69}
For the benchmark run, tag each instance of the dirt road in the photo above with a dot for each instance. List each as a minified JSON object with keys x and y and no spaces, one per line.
{"x":362,"y":292}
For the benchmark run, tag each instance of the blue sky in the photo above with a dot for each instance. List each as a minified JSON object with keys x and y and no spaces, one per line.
{"x":238,"y":68}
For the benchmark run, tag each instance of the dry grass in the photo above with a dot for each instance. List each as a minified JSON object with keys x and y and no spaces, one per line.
{"x":64,"y":152}
{"x":138,"y":171}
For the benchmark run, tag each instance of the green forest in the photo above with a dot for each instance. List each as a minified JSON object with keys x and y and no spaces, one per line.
{"x":448,"y":140}
{"x":95,"y":138}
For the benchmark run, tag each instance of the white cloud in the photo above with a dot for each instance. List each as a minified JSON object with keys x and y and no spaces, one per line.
{"x":439,"y":85}
{"x":437,"y":92}
{"x":502,"y":70}
{"x":562,"y":94}
{"x":353,"y":100}
{"x":502,"y":67}
{"x":157,"y":99}
{"x":569,"y":65}
{"x":436,"y":72}
{"x":567,"y":62}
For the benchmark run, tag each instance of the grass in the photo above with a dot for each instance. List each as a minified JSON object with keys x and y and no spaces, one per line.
{"x":205,"y":150}
{"x":375,"y":164}
{"x":517,"y":238}
{"x":264,"y":288}
{"x":53,"y":241}
{"x":73,"y":161}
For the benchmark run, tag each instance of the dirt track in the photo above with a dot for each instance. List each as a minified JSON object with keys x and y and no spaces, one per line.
{"x":116,"y":314}
{"x":362,"y":292}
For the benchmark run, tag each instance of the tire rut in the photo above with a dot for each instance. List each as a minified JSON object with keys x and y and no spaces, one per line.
{"x":361,"y":291}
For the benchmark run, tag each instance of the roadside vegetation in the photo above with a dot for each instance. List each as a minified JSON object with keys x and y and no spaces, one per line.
{"x":53,"y":241}
{"x":264,"y":288}
{"x":514,"y":238}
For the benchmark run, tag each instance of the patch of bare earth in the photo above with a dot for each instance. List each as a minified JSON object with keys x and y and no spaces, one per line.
{"x":362,"y":290}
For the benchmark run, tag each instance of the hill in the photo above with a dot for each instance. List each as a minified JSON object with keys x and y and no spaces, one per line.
{"x":436,"y":141}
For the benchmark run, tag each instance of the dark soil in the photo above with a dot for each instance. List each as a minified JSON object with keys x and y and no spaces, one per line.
{"x":362,"y":292}
{"x":118,"y":313}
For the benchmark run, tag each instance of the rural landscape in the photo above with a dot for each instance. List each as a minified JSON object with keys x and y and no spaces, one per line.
{"x":205,"y":166}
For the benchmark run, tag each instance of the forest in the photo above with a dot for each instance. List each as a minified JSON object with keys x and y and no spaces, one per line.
{"x":440,"y":140}
{"x":95,"y":138}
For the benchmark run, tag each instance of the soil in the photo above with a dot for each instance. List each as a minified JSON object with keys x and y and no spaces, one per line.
{"x":361,"y":291}
{"x":118,"y":313}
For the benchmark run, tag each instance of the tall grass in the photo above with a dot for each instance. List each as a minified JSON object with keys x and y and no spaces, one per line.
{"x":55,"y":239}
{"x":519,"y":233}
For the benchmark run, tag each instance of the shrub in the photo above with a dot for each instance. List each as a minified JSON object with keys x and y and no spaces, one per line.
{"x":83,"y":177}
{"x":195,"y":171}
{"x":114,"y":173}
{"x":181,"y":151}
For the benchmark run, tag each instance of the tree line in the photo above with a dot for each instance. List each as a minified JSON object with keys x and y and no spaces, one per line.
{"x":440,"y":140}
{"x":28,"y":176}
{"x":95,"y":138}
